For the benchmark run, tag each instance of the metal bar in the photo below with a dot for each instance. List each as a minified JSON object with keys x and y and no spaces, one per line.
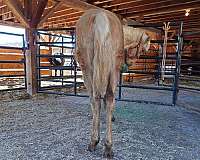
{"x":13,"y":34}
{"x":58,"y":29}
{"x":59,"y":77}
{"x":146,"y":87}
{"x":192,"y":71}
{"x":120,"y":85}
{"x":189,"y":88}
{"x":157,"y":57}
{"x":148,"y":72}
{"x":189,"y":79}
{"x":11,"y":61}
{"x":13,"y":89}
{"x":56,"y":46}
{"x":143,"y":101}
{"x":75,"y":69}
{"x":54,"y":80}
{"x":55,"y":67}
{"x":8,"y":47}
{"x":58,"y":86}
{"x":54,"y":56}
{"x":24,"y":54}
{"x":162,"y":41}
{"x":14,"y":75}
{"x":62,"y":93}
{"x":178,"y":63}
{"x":38,"y":59}
{"x":61,"y":71}
{"x":53,"y":35}
{"x":51,"y":43}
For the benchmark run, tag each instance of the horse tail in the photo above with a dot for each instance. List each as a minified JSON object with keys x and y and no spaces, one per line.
{"x":103,"y":53}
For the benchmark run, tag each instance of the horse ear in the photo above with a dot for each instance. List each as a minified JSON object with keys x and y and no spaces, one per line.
{"x":125,"y":22}
{"x":148,"y":38}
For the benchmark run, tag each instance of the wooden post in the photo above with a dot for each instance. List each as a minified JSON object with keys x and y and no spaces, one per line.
{"x":31,"y":62}
{"x":33,"y":13}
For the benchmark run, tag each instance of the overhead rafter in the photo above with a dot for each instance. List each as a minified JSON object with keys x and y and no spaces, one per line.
{"x":38,"y":13}
{"x":65,"y":12}
{"x":50,"y":13}
{"x":9,"y":23}
{"x":16,"y":7}
{"x":160,"y":9}
{"x":127,"y":4}
{"x":193,"y":12}
{"x":79,"y":5}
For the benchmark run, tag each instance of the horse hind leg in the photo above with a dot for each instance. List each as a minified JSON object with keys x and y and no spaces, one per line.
{"x":104,"y":102}
{"x":95,"y":136}
{"x":109,"y":100}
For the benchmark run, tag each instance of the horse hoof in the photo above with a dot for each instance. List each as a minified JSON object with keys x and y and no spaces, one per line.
{"x":91,"y":147}
{"x":108,"y":153}
{"x":113,"y":118}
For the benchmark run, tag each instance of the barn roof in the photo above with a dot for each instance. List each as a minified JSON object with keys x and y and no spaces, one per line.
{"x":65,"y":13}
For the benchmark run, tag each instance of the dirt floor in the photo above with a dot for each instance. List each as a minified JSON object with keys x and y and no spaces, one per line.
{"x":58,"y":127}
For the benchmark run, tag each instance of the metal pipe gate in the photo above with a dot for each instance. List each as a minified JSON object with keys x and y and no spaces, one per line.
{"x":176,"y":59}
{"x":68,"y":70}
{"x":173,"y":88}
{"x":11,"y":60}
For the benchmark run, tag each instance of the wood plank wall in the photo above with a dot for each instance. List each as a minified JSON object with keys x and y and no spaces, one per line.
{"x":18,"y":68}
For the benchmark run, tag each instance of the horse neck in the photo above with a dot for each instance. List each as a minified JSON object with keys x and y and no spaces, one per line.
{"x":132,"y":35}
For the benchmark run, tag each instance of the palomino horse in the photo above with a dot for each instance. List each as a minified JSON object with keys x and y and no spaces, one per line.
{"x":100,"y":52}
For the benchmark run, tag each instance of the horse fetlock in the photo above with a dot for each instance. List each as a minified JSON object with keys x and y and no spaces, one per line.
{"x":113,"y":118}
{"x":93,"y":144}
{"x":108,"y":152}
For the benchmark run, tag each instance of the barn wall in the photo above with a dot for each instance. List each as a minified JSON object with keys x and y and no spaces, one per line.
{"x":17,"y":68}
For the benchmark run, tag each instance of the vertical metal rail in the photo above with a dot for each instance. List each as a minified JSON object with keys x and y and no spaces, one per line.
{"x":61,"y":71}
{"x":120,"y":86}
{"x":74,"y":65}
{"x":38,"y":59}
{"x":24,"y":53}
{"x":178,"y":63}
{"x":160,"y":66}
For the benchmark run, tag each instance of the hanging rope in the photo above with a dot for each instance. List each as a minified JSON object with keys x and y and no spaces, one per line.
{"x":166,"y":28}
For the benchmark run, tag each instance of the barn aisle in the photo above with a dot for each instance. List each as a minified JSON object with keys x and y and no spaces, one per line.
{"x":58,"y":127}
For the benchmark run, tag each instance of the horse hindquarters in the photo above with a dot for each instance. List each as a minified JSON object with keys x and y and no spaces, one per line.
{"x":99,"y":50}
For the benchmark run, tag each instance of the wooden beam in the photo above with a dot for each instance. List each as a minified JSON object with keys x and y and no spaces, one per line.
{"x":65,"y":12}
{"x":121,"y":5}
{"x":28,"y":9}
{"x":31,"y":51}
{"x":179,"y":17}
{"x":65,"y":18}
{"x":161,"y":9}
{"x":38,"y":13}
{"x":16,"y":7}
{"x":144,"y":5}
{"x":171,"y":14}
{"x":9,"y":23}
{"x":79,"y":5}
{"x":50,"y":13}
{"x":31,"y":63}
